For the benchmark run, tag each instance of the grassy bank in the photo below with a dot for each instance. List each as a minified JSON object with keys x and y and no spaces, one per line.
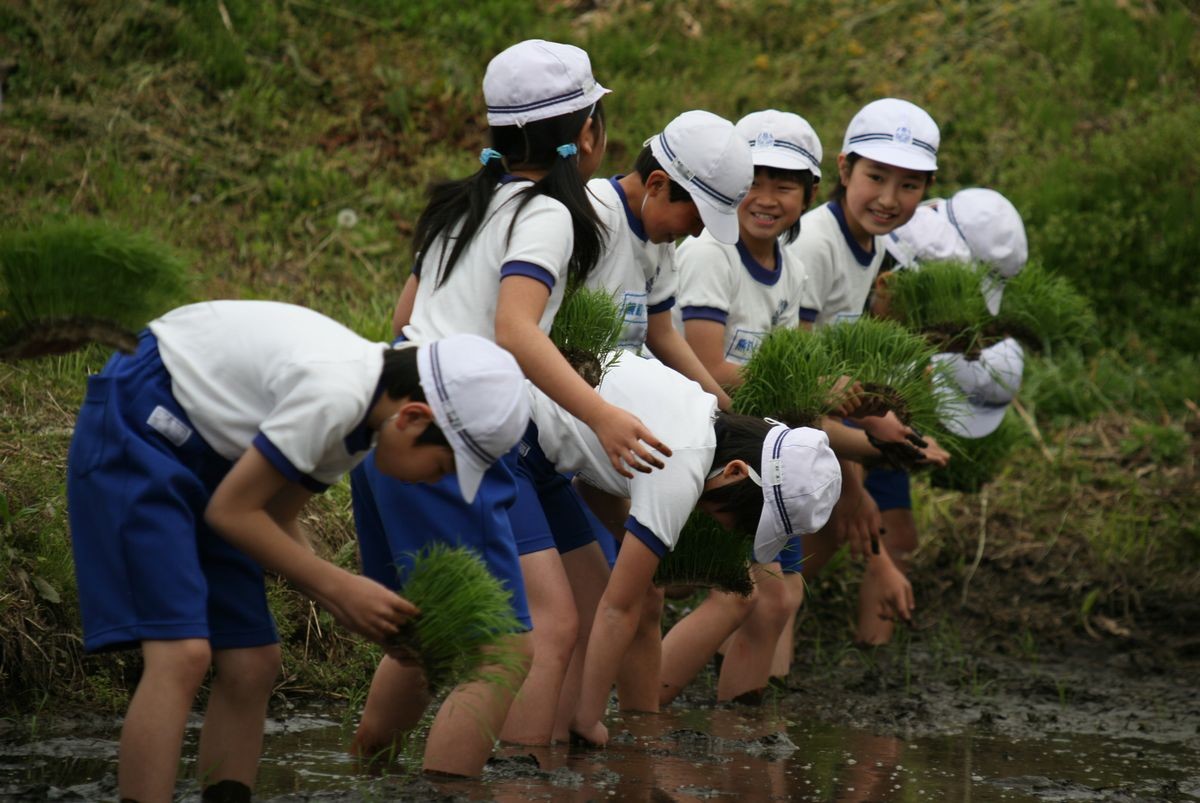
{"x":283,"y":148}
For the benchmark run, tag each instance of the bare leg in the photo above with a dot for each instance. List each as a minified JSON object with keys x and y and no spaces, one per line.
{"x":587,"y":571}
{"x":397,"y":700}
{"x":690,"y":644}
{"x":555,"y":627}
{"x":152,"y":735}
{"x":232,"y":737}
{"x":464,"y":732}
{"x":785,"y":648}
{"x":747,"y":665}
{"x":637,"y":682}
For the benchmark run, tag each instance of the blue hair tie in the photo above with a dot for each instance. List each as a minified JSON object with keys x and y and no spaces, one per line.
{"x":567,"y":151}
{"x":488,"y":154}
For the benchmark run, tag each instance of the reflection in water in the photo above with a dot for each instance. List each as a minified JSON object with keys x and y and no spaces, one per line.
{"x":680,"y":755}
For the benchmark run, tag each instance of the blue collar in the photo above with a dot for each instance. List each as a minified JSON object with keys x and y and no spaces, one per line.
{"x":359,"y":439}
{"x":509,"y":178}
{"x":864,"y":257}
{"x":758,"y":272}
{"x":635,"y":225}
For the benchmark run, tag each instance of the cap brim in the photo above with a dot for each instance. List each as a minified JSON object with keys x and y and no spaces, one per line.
{"x":784,"y":160}
{"x":993,"y":293}
{"x":768,"y":541}
{"x":975,"y":420}
{"x":721,"y":223}
{"x":470,"y":476}
{"x":897,"y":156}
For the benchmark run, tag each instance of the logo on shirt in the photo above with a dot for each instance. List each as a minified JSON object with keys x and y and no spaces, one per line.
{"x":778,"y":315}
{"x":743,"y":345}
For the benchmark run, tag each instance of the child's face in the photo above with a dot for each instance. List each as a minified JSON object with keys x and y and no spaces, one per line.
{"x":397,"y":454}
{"x":664,"y":220}
{"x":771,"y":207}
{"x":879,"y":197}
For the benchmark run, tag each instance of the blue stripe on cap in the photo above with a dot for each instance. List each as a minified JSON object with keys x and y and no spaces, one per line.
{"x":436,"y":364}
{"x":537,"y":104}
{"x":954,"y":220}
{"x":791,"y":146}
{"x":920,"y":143}
{"x":876,"y":137}
{"x":708,"y":190}
{"x":778,"y":489}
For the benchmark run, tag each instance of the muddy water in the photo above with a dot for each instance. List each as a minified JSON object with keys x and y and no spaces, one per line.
{"x":702,"y":753}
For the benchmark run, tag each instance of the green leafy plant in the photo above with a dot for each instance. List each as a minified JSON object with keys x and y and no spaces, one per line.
{"x":790,"y":377}
{"x":942,"y":301}
{"x":974,"y":462}
{"x":1046,"y":311}
{"x":587,"y":330}
{"x":709,"y":556}
{"x":63,"y":285}
{"x":465,"y":615}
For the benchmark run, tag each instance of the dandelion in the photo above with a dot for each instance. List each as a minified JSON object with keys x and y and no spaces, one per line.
{"x":347,"y":218}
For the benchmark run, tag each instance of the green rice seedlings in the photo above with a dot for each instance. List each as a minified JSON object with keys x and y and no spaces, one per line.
{"x":466,"y":613}
{"x":587,"y":331}
{"x":709,"y":556}
{"x":943,"y":302}
{"x":1046,"y":312}
{"x":790,"y":377}
{"x":66,"y":284}
{"x":974,"y":462}
{"x":891,"y":363}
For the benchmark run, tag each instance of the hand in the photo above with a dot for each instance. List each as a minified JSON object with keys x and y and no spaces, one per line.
{"x":885,"y":428}
{"x":857,"y":520}
{"x":625,"y":438}
{"x":893,"y":591}
{"x":845,"y":397}
{"x":594,"y":735}
{"x":934,"y":454}
{"x":368,"y":608}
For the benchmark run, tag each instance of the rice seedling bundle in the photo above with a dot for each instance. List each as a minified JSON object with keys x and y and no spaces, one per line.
{"x":709,"y":556}
{"x":941,"y":301}
{"x":66,"y":284}
{"x":974,"y":462}
{"x":465,"y":615}
{"x":1046,"y":311}
{"x":587,"y":331}
{"x":790,"y":378}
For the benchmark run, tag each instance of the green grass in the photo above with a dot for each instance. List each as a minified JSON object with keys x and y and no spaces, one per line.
{"x":709,"y":556}
{"x":587,"y":330}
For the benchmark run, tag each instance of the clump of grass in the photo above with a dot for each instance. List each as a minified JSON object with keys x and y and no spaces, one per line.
{"x":587,"y":330}
{"x":974,"y":462}
{"x":1047,"y":312}
{"x":465,"y":615}
{"x":66,"y":284}
{"x":941,"y":301}
{"x":790,"y":377}
{"x":709,"y":556}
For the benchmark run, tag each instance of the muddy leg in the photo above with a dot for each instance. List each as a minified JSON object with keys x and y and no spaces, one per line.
{"x":152,"y":735}
{"x":747,"y":665}
{"x":690,"y":644}
{"x":397,"y":700}
{"x":232,"y":737}
{"x":785,"y":648}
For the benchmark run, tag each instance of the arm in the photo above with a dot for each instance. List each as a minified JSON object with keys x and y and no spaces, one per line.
{"x":612,"y":631}
{"x":285,"y":509}
{"x":675,"y":352}
{"x":856,"y":516}
{"x":404,"y":306}
{"x":707,"y":340}
{"x":519,"y":308}
{"x":241,"y":511}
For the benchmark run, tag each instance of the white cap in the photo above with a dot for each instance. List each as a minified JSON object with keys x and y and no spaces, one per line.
{"x":801,"y":481}
{"x":479,"y":401}
{"x":988,"y":385}
{"x":992,"y":229}
{"x":704,"y":154}
{"x":894,"y":132}
{"x":537,"y":80}
{"x":927,"y":237}
{"x":781,"y":139}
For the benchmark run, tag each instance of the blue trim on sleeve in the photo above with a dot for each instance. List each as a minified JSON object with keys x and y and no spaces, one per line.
{"x":646,"y":536}
{"x":809,"y":315}
{"x":416,"y":269}
{"x":863,"y":258}
{"x":757,"y":272}
{"x":661,"y":306}
{"x":705,"y":314}
{"x":635,"y":225}
{"x":528,"y":270}
{"x":284,"y":466}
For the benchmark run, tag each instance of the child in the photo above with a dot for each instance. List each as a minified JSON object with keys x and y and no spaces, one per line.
{"x":731,"y":296}
{"x":749,"y":473}
{"x":887,"y":163}
{"x":190,"y":463}
{"x":643,"y":213}
{"x":494,"y":253}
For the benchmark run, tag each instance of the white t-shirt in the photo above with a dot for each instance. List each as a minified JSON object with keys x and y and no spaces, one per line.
{"x":295,"y":384}
{"x":675,"y":409}
{"x":639,"y":274}
{"x":839,"y":274}
{"x":540,"y":247}
{"x":725,"y":284}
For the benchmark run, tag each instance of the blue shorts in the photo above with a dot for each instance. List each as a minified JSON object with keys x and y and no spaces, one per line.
{"x":548,"y":512}
{"x":889,"y":487}
{"x":148,"y":566}
{"x":395,"y":520}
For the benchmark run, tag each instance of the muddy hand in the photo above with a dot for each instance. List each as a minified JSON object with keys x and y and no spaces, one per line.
{"x":595,"y":735}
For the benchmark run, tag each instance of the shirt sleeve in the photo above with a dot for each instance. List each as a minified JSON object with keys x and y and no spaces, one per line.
{"x":542,"y":237}
{"x":819,"y":274}
{"x":706,"y":281}
{"x":661,"y":501}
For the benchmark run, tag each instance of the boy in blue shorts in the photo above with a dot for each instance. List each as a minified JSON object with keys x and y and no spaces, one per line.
{"x":190,"y":463}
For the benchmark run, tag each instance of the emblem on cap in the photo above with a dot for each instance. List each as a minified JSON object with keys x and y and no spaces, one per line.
{"x":902,"y":135}
{"x":765,"y":139}
{"x":682,"y":169}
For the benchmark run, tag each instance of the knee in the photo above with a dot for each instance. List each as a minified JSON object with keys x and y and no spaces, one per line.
{"x":554,"y":637}
{"x":775,"y":603}
{"x":183,"y":663}
{"x":251,"y":672}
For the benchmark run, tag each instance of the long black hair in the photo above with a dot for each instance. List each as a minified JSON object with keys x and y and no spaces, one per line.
{"x":739,"y":437}
{"x":457,"y":209}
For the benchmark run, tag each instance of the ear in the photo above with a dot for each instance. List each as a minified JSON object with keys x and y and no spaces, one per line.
{"x":843,"y":168}
{"x":734,"y":471}
{"x":658,"y":181}
{"x":413,"y":414}
{"x":882,"y":280}
{"x":589,"y":136}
